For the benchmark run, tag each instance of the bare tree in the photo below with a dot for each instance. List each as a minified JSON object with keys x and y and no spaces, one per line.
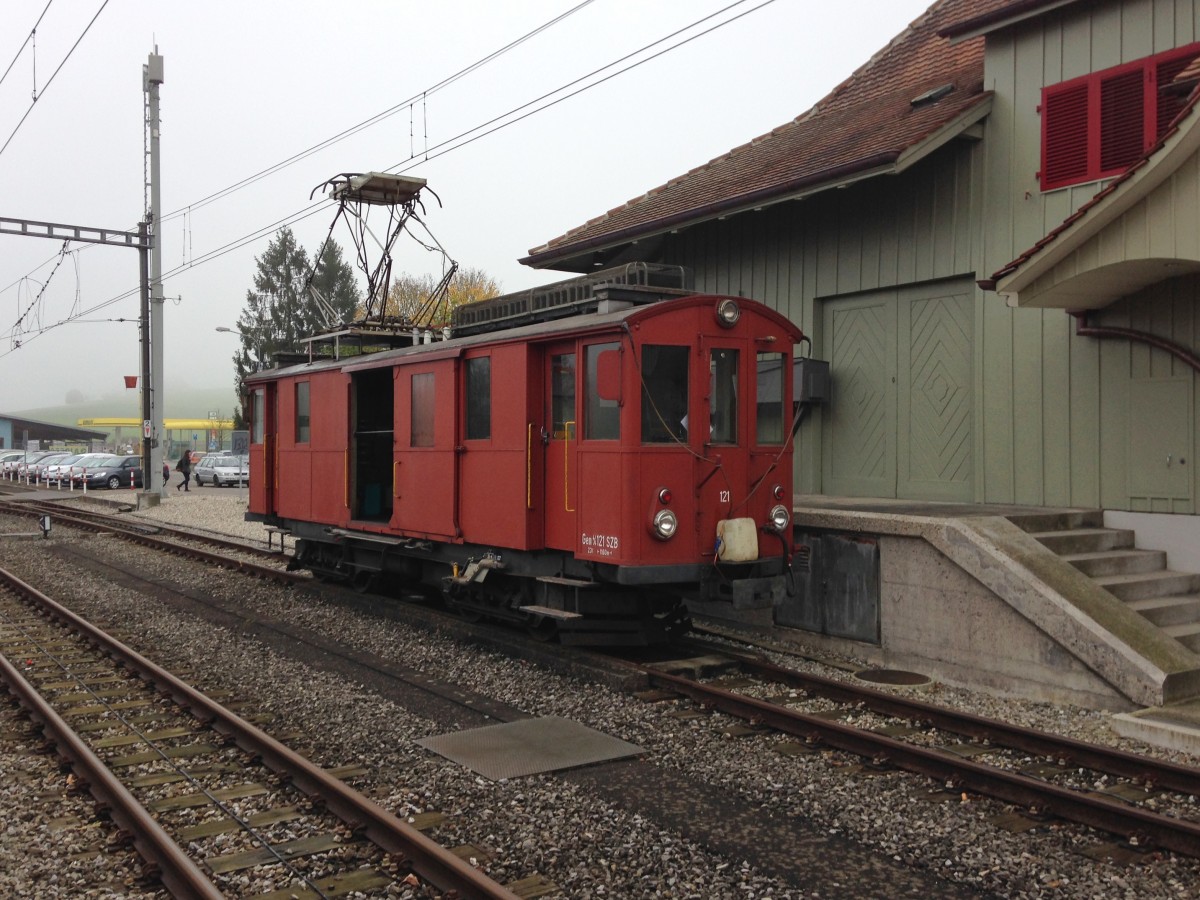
{"x":409,"y":294}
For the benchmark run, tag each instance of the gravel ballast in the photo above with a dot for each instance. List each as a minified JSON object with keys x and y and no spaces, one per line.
{"x":548,"y":824}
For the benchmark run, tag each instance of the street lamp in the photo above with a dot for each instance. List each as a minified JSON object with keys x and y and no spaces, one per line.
{"x":225,"y":330}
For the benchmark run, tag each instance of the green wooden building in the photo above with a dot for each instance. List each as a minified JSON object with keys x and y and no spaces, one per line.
{"x":991,"y":231}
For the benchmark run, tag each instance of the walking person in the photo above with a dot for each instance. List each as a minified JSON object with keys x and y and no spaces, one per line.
{"x":184,"y":467}
{"x":166,"y":473}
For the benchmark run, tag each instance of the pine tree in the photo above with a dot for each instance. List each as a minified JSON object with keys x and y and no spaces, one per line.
{"x":279,"y":311}
{"x":334,"y":280}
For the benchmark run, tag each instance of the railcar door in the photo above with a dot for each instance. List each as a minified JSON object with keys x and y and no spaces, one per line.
{"x":559,"y":434}
{"x":263,"y":420}
{"x":721,"y":482}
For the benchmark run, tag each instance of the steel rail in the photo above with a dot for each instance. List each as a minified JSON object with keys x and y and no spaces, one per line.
{"x":1158,"y":773}
{"x":138,"y":536}
{"x":1100,"y":813}
{"x":429,"y":860}
{"x":178,"y":873}
{"x":81,"y":517}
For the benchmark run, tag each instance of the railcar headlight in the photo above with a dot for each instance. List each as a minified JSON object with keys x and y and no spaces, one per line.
{"x":664,"y":524}
{"x":728,"y":312}
{"x":780,"y":517}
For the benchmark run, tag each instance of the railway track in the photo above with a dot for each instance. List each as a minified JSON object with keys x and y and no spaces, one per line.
{"x":1083,"y":783}
{"x":1046,"y":775}
{"x":253,"y":560}
{"x":175,"y":769}
{"x":843,"y":705}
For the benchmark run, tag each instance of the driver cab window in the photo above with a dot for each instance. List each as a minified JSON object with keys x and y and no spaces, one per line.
{"x":664,"y":394}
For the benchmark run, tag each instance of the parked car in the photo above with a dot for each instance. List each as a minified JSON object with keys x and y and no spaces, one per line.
{"x":112,"y":473}
{"x":27,"y":465}
{"x":60,"y":470}
{"x":220,"y":469}
{"x":37,"y":470}
{"x":88,"y":462}
{"x":10,"y":460}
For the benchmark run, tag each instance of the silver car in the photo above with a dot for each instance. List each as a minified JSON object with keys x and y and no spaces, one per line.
{"x":220,"y":470}
{"x":29,"y":468}
{"x":10,"y":460}
{"x":60,"y":471}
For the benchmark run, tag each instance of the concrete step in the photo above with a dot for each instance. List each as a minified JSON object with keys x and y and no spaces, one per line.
{"x":1187,"y":634}
{"x":1180,"y":609}
{"x":1058,"y":521}
{"x":1150,"y":584}
{"x":1085,"y":540}
{"x":1117,"y":562}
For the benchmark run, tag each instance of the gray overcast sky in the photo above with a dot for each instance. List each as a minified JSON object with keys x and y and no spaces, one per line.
{"x":252,"y":83}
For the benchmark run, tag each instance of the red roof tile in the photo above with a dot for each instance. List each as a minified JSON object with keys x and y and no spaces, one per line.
{"x":981,"y":21}
{"x":866,"y":121}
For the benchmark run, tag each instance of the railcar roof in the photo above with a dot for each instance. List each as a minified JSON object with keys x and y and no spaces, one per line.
{"x":555,"y":328}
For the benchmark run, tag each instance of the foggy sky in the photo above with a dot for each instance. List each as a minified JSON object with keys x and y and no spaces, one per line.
{"x":249,"y":85}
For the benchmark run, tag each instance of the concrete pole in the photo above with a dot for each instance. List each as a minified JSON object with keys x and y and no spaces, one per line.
{"x":153,"y":77}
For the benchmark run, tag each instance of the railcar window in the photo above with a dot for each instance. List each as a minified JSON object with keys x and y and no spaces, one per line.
{"x":256,"y":415}
{"x":769,"y":399}
{"x":302,"y":431}
{"x":664,"y":394}
{"x":479,"y":398}
{"x":422,"y":410}
{"x":562,"y":397}
{"x":602,"y":417}
{"x":723,"y":401}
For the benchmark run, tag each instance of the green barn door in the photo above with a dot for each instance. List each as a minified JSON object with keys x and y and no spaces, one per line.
{"x":859,"y":452}
{"x":936,"y":449}
{"x":899,"y":422}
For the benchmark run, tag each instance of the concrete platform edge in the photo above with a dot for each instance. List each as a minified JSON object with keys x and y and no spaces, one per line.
{"x":1121,"y":647}
{"x":1171,"y":735}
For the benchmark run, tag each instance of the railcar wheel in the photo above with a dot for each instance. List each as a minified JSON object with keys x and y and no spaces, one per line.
{"x":364,"y":582}
{"x":466,"y":613}
{"x":544,"y":629}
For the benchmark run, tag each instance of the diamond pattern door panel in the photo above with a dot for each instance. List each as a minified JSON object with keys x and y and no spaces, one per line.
{"x":935,"y":444}
{"x":860,"y":440}
{"x":901,"y":413}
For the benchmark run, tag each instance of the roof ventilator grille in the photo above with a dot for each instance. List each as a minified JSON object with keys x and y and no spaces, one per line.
{"x":932,"y":96}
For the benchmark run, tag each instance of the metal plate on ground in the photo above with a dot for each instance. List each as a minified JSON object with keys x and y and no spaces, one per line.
{"x":528,"y":747}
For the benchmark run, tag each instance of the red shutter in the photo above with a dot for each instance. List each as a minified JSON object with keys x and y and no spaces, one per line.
{"x":1098,"y":125}
{"x":1064,"y":135}
{"x":1169,"y":102}
{"x":1122,"y":119}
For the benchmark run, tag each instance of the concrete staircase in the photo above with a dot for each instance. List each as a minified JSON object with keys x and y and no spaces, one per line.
{"x":1168,"y":599}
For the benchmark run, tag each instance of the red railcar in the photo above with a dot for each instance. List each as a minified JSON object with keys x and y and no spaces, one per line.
{"x":584,"y":475}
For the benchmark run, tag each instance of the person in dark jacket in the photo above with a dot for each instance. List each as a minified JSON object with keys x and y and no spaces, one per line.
{"x":166,"y":473}
{"x":184,"y":467}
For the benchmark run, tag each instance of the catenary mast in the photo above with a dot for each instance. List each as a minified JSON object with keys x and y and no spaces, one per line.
{"x":152,"y":478}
